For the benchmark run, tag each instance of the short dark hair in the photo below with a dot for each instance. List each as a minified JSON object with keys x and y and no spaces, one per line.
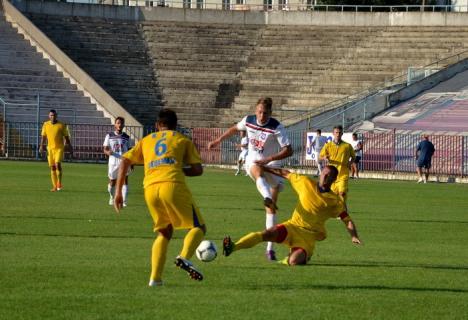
{"x":319,"y":131}
{"x":355,"y":134}
{"x":168,"y":118}
{"x":266,"y":102}
{"x":339,"y":127}
{"x":122,"y":119}
{"x":53,"y":111}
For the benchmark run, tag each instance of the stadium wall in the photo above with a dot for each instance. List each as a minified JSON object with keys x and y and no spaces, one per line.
{"x":318,"y":18}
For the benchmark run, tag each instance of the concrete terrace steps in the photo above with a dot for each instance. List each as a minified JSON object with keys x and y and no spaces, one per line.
{"x":114,"y":54}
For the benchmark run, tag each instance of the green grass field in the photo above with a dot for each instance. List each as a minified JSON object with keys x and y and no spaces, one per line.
{"x":68,"y":255}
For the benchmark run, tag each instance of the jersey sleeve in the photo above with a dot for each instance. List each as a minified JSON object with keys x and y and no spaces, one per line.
{"x":135,"y":155}
{"x":191,"y":155}
{"x":282,"y":136}
{"x":241,"y":124}
{"x":43,"y":131}
{"x":106,"y":141}
{"x":297,"y":180}
{"x":65,"y":131}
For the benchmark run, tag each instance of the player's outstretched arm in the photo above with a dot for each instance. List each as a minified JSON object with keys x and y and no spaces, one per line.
{"x":277,"y":171}
{"x":351,"y":227}
{"x":193,"y":170}
{"x":123,"y":169}
{"x":229,"y":132}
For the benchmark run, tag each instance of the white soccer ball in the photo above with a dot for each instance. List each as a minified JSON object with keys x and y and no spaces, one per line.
{"x":206,"y":251}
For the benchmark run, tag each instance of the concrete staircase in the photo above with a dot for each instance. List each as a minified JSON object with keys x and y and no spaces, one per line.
{"x":198,"y":66}
{"x":304,"y":67}
{"x":25,"y":75}
{"x":114,"y":54}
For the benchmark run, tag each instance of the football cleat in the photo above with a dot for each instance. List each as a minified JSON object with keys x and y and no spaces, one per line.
{"x":154,"y":283}
{"x":228,"y":246}
{"x":124,"y":204}
{"x":186,"y":265}
{"x":268,"y":202}
{"x":270,"y":255}
{"x":59,"y":186}
{"x":111,"y":201}
{"x":53,"y":190}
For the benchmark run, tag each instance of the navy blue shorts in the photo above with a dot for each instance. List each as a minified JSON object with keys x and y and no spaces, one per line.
{"x":424,"y":164}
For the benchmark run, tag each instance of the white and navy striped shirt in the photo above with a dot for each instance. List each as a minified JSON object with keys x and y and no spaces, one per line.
{"x":119,"y":144}
{"x":264,"y":140}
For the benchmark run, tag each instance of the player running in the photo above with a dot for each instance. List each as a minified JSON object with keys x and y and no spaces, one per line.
{"x":168,"y":156}
{"x":317,"y":204}
{"x":116,"y":143}
{"x":268,"y":143}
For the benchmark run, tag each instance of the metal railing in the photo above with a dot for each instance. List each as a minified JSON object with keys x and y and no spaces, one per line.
{"x":275,"y":6}
{"x":389,"y":152}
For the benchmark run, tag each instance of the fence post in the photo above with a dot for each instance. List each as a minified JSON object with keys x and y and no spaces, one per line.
{"x":37,"y":127}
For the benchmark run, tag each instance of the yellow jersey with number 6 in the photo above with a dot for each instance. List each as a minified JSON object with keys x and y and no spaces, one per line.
{"x":164,"y":154}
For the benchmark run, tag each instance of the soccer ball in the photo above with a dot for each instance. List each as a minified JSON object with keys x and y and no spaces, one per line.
{"x":206,"y":251}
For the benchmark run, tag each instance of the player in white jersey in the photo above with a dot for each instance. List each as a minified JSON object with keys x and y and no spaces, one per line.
{"x":244,"y":146}
{"x":317,"y":143}
{"x":357,"y":146}
{"x":115,"y":145}
{"x":268,"y":143}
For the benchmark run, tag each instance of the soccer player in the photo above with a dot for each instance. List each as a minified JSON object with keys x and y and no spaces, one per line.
{"x":268,"y":143}
{"x":341,"y":155}
{"x":116,"y":143}
{"x":55,"y":132}
{"x":357,"y":147}
{"x":317,"y":204}
{"x":244,"y":146}
{"x":423,"y":155}
{"x":318,"y":142}
{"x":168,"y":156}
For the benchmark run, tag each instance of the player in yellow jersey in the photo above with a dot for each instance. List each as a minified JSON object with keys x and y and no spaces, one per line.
{"x":168,"y":156}
{"x":317,"y":204}
{"x":55,"y":132}
{"x":341,"y":155}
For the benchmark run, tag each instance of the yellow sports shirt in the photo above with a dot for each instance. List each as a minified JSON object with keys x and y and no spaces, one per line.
{"x":314,"y":207}
{"x":164,"y":153}
{"x":339,"y":156}
{"x":54,"y":133}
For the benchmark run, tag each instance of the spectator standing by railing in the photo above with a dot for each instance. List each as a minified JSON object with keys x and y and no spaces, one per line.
{"x":423,"y":155}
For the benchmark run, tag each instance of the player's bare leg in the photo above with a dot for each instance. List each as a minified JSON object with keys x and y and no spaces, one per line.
{"x":59,"y":176}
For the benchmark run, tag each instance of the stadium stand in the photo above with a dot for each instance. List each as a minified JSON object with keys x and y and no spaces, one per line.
{"x":114,"y":54}
{"x":25,"y":74}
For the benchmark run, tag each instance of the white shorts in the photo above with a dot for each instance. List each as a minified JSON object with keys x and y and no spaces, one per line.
{"x":243,"y":155}
{"x":273,"y":180}
{"x":113,"y":172}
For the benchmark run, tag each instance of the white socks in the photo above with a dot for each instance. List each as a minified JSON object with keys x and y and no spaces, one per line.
{"x":111,"y":189}
{"x":270,"y":222}
{"x":263,"y":187}
{"x":124,"y":192}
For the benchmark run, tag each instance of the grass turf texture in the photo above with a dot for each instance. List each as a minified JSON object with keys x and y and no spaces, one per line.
{"x":67,"y":255}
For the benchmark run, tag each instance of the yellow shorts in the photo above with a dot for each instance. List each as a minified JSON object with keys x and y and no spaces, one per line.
{"x":171,"y":203}
{"x":54,"y":156}
{"x":298,"y":237}
{"x":340,"y":186}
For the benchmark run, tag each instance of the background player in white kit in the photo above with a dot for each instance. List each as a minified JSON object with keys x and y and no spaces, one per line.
{"x":115,"y":145}
{"x":244,"y":146}
{"x":268,"y":143}
{"x":318,"y":142}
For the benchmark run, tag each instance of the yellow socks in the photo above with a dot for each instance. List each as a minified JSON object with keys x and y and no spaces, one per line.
{"x":249,"y":241}
{"x":53,"y":177}
{"x":191,"y":242}
{"x":59,"y":178}
{"x":158,"y":257}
